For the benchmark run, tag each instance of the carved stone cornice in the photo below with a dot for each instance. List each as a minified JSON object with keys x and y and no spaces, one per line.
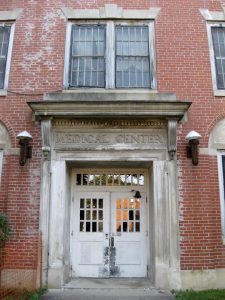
{"x":97,"y":123}
{"x":109,"y":109}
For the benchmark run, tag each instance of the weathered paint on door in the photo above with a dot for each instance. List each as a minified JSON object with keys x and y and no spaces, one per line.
{"x":108,"y":236}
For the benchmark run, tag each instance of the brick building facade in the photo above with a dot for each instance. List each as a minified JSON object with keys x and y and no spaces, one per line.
{"x":108,"y":91}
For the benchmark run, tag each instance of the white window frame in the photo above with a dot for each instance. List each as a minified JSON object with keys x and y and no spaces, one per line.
{"x":222,"y":191}
{"x":110,"y":51}
{"x":217,"y":92}
{"x":9,"y":54}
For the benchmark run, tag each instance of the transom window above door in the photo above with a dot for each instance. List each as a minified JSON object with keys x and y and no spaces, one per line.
{"x":112,"y":179}
{"x":111,"y":55}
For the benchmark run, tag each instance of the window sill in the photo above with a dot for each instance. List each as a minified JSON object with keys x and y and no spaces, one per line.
{"x":3,"y":93}
{"x":110,"y":95}
{"x":219,"y":93}
{"x":112,"y":91}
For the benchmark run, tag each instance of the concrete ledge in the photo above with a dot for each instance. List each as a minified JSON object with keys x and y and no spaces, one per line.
{"x":203,"y":280}
{"x":16,"y":278}
{"x":219,"y":93}
{"x":12,"y":151}
{"x":3,"y":93}
{"x":109,"y":95}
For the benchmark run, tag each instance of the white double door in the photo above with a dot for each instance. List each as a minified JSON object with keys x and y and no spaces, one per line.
{"x":108,"y":235}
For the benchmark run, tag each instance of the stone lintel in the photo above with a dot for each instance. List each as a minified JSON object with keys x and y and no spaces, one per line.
{"x":214,"y":16}
{"x":10,"y":15}
{"x":110,"y":11}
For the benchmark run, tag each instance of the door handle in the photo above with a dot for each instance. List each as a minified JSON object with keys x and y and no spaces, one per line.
{"x":112,"y":242}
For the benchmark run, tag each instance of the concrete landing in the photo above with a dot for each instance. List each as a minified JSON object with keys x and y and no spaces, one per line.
{"x":110,"y":283}
{"x":108,"y":289}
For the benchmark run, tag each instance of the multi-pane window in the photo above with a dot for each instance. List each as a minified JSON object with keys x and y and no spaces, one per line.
{"x":118,"y":179}
{"x":91,"y":215}
{"x":4,"y":44}
{"x":218,"y":37}
{"x":132,"y":56}
{"x":111,"y":55}
{"x":88,"y":56}
{"x":128,"y":215}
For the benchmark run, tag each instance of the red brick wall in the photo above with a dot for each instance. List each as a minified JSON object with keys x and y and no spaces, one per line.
{"x":183,"y":67}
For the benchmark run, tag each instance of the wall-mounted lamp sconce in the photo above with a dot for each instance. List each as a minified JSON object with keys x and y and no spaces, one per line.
{"x":137,"y":194}
{"x":25,"y":150}
{"x":192,"y":149}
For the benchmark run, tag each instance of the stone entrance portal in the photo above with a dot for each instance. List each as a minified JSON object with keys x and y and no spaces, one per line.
{"x":110,"y":131}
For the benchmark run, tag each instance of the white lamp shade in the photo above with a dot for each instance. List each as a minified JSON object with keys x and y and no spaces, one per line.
{"x":193,"y":135}
{"x":24,"y":135}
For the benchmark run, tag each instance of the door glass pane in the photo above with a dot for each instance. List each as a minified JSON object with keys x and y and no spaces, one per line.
{"x":128,"y":217}
{"x":90,"y":214}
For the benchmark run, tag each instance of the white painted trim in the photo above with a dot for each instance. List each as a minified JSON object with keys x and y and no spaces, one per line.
{"x":110,"y":55}
{"x":152,"y":54}
{"x":67,"y":55}
{"x":9,"y":56}
{"x":1,"y":164}
{"x":222,"y":195}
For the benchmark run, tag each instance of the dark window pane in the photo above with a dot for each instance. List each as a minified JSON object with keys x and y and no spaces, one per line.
{"x":131,"y":215}
{"x":88,"y":227}
{"x":78,"y":179}
{"x":94,"y":203}
{"x":137,"y":227}
{"x":94,"y":227}
{"x":100,"y":203}
{"x":124,"y":226}
{"x":82,"y":215}
{"x":81,"y":203}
